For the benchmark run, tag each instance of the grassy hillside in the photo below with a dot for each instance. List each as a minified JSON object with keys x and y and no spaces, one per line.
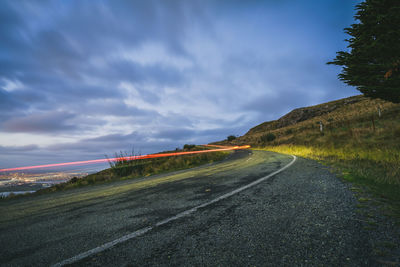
{"x":364,"y":146}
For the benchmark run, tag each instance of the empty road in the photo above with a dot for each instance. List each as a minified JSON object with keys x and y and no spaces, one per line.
{"x":209,"y":215}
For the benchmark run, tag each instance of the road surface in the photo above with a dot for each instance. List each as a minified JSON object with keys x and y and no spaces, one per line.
{"x":302,"y":215}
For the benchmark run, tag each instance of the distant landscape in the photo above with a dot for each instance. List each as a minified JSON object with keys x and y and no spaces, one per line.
{"x":31,"y":181}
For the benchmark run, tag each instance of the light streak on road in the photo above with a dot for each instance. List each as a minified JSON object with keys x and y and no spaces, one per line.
{"x":149,"y":156}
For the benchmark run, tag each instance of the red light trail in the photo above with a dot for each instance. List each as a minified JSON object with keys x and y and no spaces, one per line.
{"x":149,"y":156}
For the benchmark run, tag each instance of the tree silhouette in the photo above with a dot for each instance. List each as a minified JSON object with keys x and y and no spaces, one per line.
{"x":373,"y":63}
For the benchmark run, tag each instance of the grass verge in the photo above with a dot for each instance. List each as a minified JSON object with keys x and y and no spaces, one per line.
{"x":139,"y":168}
{"x":374,"y":172}
{"x":124,"y":170}
{"x":358,"y":136}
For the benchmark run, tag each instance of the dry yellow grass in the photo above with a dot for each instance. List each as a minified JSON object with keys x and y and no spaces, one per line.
{"x":353,"y":133}
{"x":363,"y":146}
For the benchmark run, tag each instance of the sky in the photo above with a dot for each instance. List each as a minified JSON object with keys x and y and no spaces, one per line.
{"x":83,"y":79}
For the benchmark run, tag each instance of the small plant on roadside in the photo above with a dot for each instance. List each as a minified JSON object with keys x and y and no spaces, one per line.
{"x":74,"y":180}
{"x":231,"y":138}
{"x":269,"y":137}
{"x":396,"y":132}
{"x":189,"y":146}
{"x":289,"y":131}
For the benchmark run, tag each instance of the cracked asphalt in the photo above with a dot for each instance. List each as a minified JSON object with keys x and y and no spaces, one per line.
{"x":303,"y":216}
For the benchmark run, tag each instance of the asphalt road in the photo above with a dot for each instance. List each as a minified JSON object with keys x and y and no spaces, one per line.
{"x":303,"y":215}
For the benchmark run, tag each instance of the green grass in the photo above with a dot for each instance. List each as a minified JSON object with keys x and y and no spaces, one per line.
{"x":124,"y":170}
{"x":145,"y":167}
{"x":375,"y":177}
{"x":363,"y":147}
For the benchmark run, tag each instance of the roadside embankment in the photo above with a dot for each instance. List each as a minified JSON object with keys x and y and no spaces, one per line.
{"x":358,"y":136}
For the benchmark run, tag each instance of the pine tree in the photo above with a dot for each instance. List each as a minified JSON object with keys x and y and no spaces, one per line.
{"x":373,"y":63}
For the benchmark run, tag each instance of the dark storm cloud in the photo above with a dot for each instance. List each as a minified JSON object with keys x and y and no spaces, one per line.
{"x":134,"y":142}
{"x":194,"y":135}
{"x":17,"y":149}
{"x":143,"y":143}
{"x":47,"y":45}
{"x":271,"y":107}
{"x":45,"y":122}
{"x":129,"y":22}
{"x":176,"y":134}
{"x":115,"y":107}
{"x":128,"y":71}
{"x":106,"y":143}
{"x":8,"y":103}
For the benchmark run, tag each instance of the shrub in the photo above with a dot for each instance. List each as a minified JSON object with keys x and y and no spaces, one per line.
{"x":73,"y":180}
{"x":289,"y":131}
{"x":268,"y":137}
{"x":189,"y":147}
{"x":231,"y":138}
{"x":397,"y":132}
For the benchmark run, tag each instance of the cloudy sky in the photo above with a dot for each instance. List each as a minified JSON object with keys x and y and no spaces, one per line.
{"x":84,"y":79}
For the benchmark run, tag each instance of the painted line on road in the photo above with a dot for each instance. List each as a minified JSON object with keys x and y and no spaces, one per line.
{"x":176,"y":217}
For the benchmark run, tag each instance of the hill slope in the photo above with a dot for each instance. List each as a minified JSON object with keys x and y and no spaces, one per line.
{"x":346,"y":122}
{"x":303,"y":114}
{"x":360,"y":137}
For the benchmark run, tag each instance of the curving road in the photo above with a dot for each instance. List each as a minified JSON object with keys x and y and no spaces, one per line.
{"x":256,"y":208}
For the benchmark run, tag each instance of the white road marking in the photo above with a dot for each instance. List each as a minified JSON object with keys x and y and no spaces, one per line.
{"x":176,"y":217}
